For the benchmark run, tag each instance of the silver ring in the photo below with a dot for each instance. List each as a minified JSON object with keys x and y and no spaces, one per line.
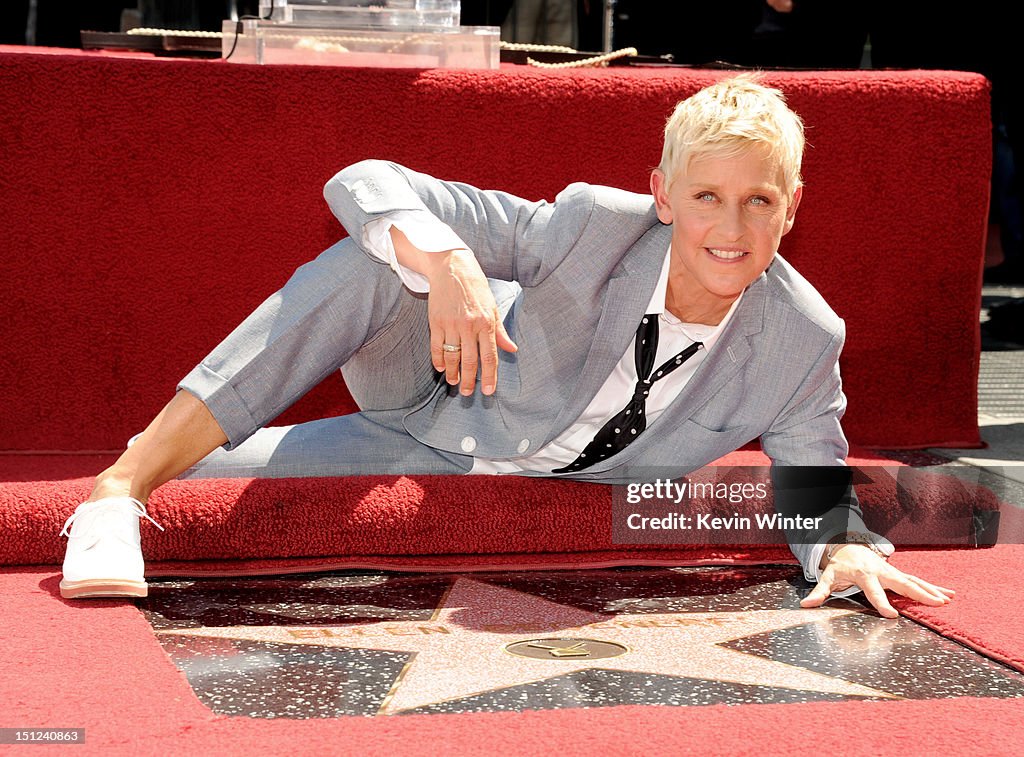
{"x":451,"y":347}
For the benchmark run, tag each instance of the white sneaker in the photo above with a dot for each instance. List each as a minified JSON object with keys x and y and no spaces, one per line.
{"x":104,"y":555}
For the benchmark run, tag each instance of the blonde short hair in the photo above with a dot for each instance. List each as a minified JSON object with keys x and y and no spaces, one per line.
{"x":728,"y":118}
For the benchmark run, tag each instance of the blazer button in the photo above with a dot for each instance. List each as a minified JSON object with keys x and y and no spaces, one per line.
{"x":523,"y":446}
{"x":468,"y":444}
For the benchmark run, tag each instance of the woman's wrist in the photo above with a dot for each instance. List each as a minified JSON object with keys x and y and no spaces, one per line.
{"x":845,"y":540}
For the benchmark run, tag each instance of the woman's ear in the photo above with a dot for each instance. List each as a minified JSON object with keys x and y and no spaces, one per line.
{"x":791,"y":210}
{"x":659,"y":189}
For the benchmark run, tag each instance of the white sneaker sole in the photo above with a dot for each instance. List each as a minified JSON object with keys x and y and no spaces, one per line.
{"x":98,"y":587}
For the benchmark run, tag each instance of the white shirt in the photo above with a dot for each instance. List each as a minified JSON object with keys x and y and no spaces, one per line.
{"x":428,"y":233}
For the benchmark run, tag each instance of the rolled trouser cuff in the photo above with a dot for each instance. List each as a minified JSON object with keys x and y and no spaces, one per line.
{"x":223,"y":402}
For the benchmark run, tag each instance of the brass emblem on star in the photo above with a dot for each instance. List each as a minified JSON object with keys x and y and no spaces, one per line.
{"x":565,"y":648}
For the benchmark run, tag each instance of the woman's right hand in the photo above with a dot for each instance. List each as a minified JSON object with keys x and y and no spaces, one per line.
{"x":462,"y":312}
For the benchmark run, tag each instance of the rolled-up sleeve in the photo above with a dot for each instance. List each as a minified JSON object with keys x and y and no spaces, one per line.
{"x":423,"y":229}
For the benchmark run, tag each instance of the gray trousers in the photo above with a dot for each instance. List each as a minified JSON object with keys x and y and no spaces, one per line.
{"x":339,"y":311}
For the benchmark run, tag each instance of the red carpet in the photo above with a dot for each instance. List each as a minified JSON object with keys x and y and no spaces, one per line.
{"x":151,"y":204}
{"x":98,"y":665}
{"x":405,"y":522}
{"x":985,"y":615}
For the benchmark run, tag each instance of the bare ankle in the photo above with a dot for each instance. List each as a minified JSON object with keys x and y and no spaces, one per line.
{"x":114,"y":483}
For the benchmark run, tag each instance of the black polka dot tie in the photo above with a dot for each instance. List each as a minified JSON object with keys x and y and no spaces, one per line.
{"x":626,"y":425}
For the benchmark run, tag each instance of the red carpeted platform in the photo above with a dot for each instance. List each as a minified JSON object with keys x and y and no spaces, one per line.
{"x":223,"y":526}
{"x":151,"y":204}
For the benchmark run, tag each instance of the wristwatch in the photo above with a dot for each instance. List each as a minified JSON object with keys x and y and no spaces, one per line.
{"x":883,"y":550}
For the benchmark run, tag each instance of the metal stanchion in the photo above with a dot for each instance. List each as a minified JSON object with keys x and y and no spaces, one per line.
{"x":608,"y":33}
{"x":31,"y":23}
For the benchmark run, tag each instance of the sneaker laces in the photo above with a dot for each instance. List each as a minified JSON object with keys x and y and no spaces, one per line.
{"x":137,"y":507}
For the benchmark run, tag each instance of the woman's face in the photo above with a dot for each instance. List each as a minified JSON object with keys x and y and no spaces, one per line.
{"x":728,"y":215}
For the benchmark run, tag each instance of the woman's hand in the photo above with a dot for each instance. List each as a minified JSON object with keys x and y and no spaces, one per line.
{"x":857,"y":564}
{"x":462,"y":312}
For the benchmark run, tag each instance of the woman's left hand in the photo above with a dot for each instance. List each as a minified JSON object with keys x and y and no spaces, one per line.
{"x":859,"y":565}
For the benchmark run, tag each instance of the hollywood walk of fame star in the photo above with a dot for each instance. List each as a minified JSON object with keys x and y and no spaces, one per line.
{"x":461,"y":651}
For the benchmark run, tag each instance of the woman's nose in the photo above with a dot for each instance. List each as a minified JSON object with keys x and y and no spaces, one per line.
{"x":730,"y":224}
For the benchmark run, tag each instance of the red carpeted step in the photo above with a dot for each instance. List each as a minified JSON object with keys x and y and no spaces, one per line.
{"x":407,"y":521}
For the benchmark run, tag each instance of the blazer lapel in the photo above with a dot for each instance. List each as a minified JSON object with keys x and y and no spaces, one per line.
{"x":722,"y":364}
{"x":626,"y":297}
{"x":726,"y":359}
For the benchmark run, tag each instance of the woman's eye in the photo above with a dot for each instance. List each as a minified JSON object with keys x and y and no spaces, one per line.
{"x":705,"y":197}
{"x":759,"y":200}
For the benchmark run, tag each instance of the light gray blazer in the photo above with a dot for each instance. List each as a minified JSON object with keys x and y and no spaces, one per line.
{"x":588,"y":264}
